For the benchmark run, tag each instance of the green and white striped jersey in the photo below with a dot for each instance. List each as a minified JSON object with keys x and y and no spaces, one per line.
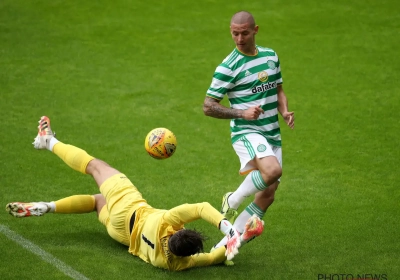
{"x":250,"y":81}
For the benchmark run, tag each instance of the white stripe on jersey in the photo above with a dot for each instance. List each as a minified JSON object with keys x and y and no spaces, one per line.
{"x":224,"y":70}
{"x":252,"y":128}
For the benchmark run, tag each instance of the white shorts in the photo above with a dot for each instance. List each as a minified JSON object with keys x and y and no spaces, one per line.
{"x":254,"y":145}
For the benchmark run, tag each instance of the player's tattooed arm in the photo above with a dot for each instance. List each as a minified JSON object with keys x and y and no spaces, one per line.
{"x":213,"y":108}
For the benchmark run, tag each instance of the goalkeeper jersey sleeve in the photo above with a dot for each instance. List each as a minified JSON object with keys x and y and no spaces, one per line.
{"x":179,"y":216}
{"x":153,"y":227}
{"x":186,"y":213}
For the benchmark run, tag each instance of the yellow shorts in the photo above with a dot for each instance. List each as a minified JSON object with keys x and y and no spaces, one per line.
{"x":123,"y":199}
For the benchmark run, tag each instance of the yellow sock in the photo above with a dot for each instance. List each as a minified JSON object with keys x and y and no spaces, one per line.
{"x":75,"y":204}
{"x":74,"y":157}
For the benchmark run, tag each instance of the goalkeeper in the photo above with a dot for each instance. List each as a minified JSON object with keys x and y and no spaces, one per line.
{"x":154,"y":235}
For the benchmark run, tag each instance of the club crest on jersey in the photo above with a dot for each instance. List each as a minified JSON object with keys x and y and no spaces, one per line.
{"x":263,"y":76}
{"x":261,"y":148}
{"x":271,"y":64}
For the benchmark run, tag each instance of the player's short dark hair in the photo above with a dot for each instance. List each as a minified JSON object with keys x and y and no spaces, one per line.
{"x":242,"y":17}
{"x":186,"y":242}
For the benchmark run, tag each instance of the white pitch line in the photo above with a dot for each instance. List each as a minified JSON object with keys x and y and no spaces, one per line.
{"x":67,"y":270}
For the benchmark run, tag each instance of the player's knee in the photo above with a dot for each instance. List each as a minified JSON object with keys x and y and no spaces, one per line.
{"x":96,"y":165}
{"x":277,"y":172}
{"x":271,"y":173}
{"x":100,"y":202}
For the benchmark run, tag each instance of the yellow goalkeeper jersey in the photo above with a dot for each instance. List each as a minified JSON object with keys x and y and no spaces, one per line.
{"x":153,"y":227}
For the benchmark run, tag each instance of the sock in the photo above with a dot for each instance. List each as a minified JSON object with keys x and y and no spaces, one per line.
{"x":53,"y":141}
{"x":251,"y":209}
{"x":252,"y":184}
{"x":75,"y":204}
{"x":51,"y":206}
{"x":74,"y":157}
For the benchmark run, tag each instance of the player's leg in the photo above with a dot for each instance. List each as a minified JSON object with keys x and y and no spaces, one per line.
{"x":121,"y":197}
{"x":270,"y":169}
{"x":267,"y":173}
{"x":265,"y":197}
{"x":257,"y":158}
{"x":76,"y":204}
{"x":100,"y":202}
{"x":114,"y":222}
{"x":258,"y":206}
{"x":74,"y":157}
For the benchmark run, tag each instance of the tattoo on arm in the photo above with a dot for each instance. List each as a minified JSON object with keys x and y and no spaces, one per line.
{"x":213,"y":108}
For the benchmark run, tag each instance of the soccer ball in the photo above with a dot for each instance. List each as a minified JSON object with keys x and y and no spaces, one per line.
{"x":160,"y":143}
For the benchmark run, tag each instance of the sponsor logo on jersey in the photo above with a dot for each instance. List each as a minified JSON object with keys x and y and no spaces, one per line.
{"x":263,"y":87}
{"x":271,"y":64}
{"x":247,"y":73}
{"x":263,"y":76}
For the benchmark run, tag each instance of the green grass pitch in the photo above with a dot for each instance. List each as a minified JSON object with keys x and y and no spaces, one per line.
{"x":107,"y":72}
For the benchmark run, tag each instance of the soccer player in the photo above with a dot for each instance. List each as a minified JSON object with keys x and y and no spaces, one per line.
{"x":156,"y":236}
{"x":250,"y":76}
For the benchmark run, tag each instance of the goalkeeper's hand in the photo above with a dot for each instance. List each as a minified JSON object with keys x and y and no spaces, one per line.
{"x":233,"y":244}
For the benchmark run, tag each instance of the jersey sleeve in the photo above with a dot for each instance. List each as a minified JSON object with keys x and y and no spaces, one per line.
{"x":203,"y":259}
{"x":279,"y":79}
{"x":186,"y":213}
{"x":222,"y":82}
